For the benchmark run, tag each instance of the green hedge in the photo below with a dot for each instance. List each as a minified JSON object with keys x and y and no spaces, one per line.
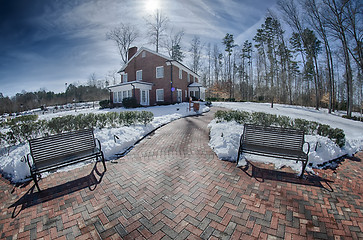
{"x":355,"y":118}
{"x":23,"y":128}
{"x":265,"y":119}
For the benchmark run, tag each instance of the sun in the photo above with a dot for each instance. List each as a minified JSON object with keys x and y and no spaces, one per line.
{"x":151,"y":5}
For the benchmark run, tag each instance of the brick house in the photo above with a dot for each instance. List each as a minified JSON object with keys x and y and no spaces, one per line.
{"x":153,"y":78}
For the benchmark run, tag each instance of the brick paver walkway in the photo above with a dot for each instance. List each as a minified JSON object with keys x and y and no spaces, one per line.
{"x":172,"y":186}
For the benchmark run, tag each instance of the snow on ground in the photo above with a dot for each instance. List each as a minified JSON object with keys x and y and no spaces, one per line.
{"x":225,"y":136}
{"x":113,"y":140}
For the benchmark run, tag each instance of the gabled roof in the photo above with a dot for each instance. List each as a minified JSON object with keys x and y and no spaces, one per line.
{"x":174,"y":62}
{"x":130,"y":83}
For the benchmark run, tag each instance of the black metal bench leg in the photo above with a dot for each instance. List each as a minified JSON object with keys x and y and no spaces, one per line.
{"x":34,"y":176}
{"x":239,"y":154}
{"x":304,"y":163}
{"x":103,"y":161}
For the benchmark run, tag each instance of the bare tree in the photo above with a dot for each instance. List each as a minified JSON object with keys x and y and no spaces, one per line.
{"x":92,"y":80}
{"x":196,"y":51}
{"x":123,"y":35}
{"x":173,"y":45}
{"x":317,"y":22}
{"x":336,"y":20}
{"x":157,"y":26}
{"x":354,"y":15}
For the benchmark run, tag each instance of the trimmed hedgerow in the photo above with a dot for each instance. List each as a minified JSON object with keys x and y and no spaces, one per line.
{"x":21,"y":129}
{"x":266,"y":119}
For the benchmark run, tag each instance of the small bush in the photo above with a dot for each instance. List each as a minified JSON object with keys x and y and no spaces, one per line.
{"x":355,"y":118}
{"x":145,"y":117}
{"x":130,"y":102}
{"x":130,"y":118}
{"x":104,"y":104}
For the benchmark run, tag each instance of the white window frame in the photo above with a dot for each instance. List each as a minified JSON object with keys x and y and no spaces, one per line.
{"x":139,"y":75}
{"x":180,"y":73}
{"x":124,"y":77}
{"x":188,"y":77}
{"x":124,"y":95}
{"x":159,"y":72}
{"x":179,"y":91}
{"x":157,"y":95}
{"x":143,"y":54}
{"x":119,"y":97}
{"x":129,"y":93}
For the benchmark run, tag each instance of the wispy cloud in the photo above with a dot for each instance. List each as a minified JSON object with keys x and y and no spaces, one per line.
{"x":48,"y":43}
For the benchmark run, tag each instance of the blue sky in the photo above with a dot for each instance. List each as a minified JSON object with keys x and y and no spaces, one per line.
{"x":47,"y":43}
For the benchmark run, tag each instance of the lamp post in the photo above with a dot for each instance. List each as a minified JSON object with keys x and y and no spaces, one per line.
{"x":66,"y":94}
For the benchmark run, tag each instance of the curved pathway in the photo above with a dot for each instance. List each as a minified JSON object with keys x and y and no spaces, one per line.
{"x":173,"y":186}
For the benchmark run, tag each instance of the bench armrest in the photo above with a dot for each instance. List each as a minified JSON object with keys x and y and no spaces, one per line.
{"x":99,"y":144}
{"x":308,"y":147}
{"x":27,"y":158}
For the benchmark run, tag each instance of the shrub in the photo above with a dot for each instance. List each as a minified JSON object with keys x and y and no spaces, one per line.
{"x":355,"y":118}
{"x":104,"y":104}
{"x":145,"y":117}
{"x":130,"y":118}
{"x":101,"y":120}
{"x":112,"y":119}
{"x":130,"y":102}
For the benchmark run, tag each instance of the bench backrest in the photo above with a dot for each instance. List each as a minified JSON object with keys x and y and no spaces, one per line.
{"x":61,"y":145}
{"x":274,"y":137}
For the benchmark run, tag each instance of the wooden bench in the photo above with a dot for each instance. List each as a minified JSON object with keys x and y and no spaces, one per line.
{"x":274,"y":142}
{"x":56,"y":151}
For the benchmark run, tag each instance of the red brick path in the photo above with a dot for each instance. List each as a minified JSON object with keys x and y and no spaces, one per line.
{"x":172,"y":186}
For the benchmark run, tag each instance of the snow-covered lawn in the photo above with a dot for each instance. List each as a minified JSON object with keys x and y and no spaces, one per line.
{"x":225,"y":136}
{"x":113,"y":140}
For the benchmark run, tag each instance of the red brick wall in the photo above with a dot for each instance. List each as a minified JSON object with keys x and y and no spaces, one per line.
{"x":148,"y":66}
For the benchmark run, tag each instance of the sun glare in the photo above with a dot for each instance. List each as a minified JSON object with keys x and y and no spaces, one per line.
{"x":152,"y":5}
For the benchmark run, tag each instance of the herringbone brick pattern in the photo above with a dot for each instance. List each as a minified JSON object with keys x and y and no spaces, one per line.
{"x":172,"y":186}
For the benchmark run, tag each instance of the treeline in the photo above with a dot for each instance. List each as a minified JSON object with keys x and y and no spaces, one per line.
{"x":318,"y":63}
{"x":29,"y":100}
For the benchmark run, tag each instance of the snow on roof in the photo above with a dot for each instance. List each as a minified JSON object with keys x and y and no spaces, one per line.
{"x":127,"y":83}
{"x":195,"y":84}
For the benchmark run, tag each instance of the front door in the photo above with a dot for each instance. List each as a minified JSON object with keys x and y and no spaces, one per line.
{"x":144,"y":97}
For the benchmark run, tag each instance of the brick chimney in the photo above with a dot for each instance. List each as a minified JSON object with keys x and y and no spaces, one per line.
{"x":131,"y":53}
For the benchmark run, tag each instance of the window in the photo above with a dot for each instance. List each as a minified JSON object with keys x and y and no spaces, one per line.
{"x":124,"y":77}
{"x":139,"y":75}
{"x":179,"y":95}
{"x":160,"y":72}
{"x":180,"y":74}
{"x":188,"y":77}
{"x":129,"y":93}
{"x":124,"y":94}
{"x":143,"y":54}
{"x":119,"y":97}
{"x":159,"y":95}
{"x":186,"y":93}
